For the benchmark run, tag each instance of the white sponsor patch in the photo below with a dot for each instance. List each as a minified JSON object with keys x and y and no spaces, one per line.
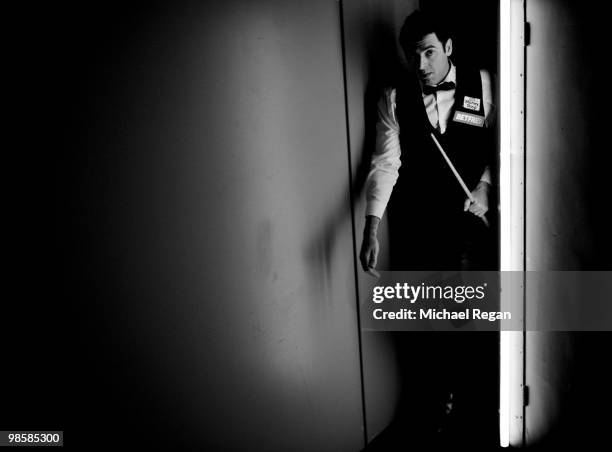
{"x":471,"y":103}
{"x":469,"y":118}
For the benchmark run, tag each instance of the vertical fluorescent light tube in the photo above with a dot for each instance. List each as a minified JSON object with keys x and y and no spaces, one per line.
{"x":504,"y":184}
{"x":512,"y":132}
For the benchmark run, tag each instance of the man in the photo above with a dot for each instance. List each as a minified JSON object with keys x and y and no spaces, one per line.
{"x":433,"y":225}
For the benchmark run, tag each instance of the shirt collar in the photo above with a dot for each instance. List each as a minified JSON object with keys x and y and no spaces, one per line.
{"x":451,"y":76}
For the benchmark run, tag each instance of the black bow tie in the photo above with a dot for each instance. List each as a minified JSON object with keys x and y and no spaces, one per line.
{"x":446,"y":86}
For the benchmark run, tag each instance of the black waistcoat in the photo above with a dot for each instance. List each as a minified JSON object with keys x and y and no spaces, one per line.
{"x":426,"y":192}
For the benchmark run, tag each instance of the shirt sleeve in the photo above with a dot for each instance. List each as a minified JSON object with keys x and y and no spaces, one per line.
{"x":490,"y":110}
{"x":386,"y":162}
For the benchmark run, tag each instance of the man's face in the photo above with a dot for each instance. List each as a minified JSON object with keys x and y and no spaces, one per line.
{"x":430,"y":58}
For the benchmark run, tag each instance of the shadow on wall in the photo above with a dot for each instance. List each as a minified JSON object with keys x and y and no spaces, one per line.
{"x":474,"y":29}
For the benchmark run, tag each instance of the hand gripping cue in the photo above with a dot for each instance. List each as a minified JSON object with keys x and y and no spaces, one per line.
{"x":457,"y":176}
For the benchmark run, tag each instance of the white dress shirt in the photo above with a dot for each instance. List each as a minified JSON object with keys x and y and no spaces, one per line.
{"x":386,"y":159}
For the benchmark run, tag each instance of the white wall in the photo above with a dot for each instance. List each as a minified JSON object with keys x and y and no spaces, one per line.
{"x":210,"y":244}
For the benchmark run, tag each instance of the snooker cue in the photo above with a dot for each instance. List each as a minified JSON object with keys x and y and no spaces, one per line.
{"x":457,"y":176}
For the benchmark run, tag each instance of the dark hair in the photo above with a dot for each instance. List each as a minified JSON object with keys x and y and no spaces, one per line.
{"x":419,"y":24}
